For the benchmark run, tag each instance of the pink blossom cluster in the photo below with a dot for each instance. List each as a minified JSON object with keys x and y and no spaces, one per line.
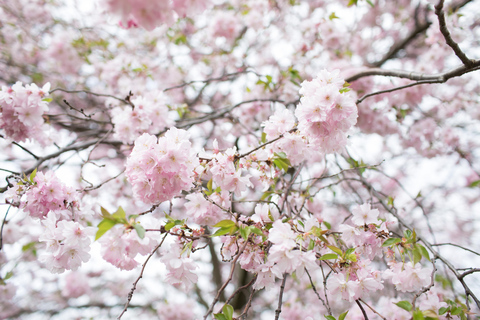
{"x":151,"y":14}
{"x":326,"y":111}
{"x":148,"y":115}
{"x":46,"y":193}
{"x":120,"y":247}
{"x":67,"y":243}
{"x":353,"y":286}
{"x":204,"y":212}
{"x":76,"y":285}
{"x":161,"y":170}
{"x":429,"y":139}
{"x":408,"y":277}
{"x":293,"y":144}
{"x":225,"y":174}
{"x":21,"y":111}
{"x":179,"y":267}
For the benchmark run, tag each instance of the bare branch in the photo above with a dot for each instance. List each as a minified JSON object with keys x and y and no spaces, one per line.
{"x":280,"y":297}
{"x":448,"y":37}
{"x":130,"y":294}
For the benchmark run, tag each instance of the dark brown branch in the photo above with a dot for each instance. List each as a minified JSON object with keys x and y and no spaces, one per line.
{"x":455,"y":245}
{"x":416,"y":76}
{"x":280,"y":297}
{"x":90,"y":92}
{"x":363,"y":310}
{"x":448,"y":37}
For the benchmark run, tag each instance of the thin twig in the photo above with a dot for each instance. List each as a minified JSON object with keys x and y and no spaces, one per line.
{"x":89,"y":92}
{"x":375,"y":311}
{"x":280,"y":297}
{"x":26,"y":150}
{"x":230,"y":277}
{"x":130,"y":294}
{"x":249,"y":303}
{"x":455,"y":245}
{"x":361,"y":308}
{"x":315,"y":289}
{"x":3,"y":223}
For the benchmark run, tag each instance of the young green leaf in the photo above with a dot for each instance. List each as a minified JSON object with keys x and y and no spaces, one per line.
{"x":224,"y":224}
{"x":405,"y":305}
{"x":342,"y":316}
{"x":391,"y":241}
{"x":104,"y":225}
{"x":228,"y":311}
{"x":140,"y":230}
{"x":328,"y":256}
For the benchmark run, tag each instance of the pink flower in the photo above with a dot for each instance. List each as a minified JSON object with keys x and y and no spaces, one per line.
{"x":364,"y":215}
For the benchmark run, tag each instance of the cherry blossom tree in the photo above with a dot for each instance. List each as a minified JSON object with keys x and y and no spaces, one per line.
{"x":243,"y":159}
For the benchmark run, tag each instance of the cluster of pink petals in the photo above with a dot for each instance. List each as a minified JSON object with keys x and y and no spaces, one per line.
{"x":326,"y":113}
{"x":47,"y":193}
{"x":354,"y":287}
{"x":179,"y":267}
{"x":67,"y":243}
{"x":120,"y":247}
{"x":149,"y":115}
{"x":151,"y":14}
{"x":408,"y":278}
{"x":204,"y":212}
{"x":225,"y":175}
{"x":21,"y":111}
{"x":159,"y":171}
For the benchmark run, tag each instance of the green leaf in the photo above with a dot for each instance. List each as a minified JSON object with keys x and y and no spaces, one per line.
{"x":328,"y":256}
{"x":119,"y":214}
{"x":220,"y":316}
{"x":104,"y":225}
{"x":264,"y":137}
{"x":333,"y":16}
{"x":342,"y":316}
{"x":424,"y":252}
{"x":47,"y":99}
{"x":418,"y":315}
{"x":225,"y":230}
{"x":311,"y":245}
{"x":417,"y":254}
{"x":352,"y":257}
{"x":336,"y":250}
{"x":371,"y":3}
{"x":224,"y":224}
{"x":407,"y":233}
{"x":8,"y":275}
{"x":455,"y":311}
{"x":210,"y":185}
{"x":474,"y":184}
{"x":140,"y":230}
{"x":169,"y":225}
{"x":330,"y":317}
{"x":442,"y":310}
{"x":390,"y":201}
{"x":391,"y":241}
{"x":349,"y":251}
{"x":245,"y":232}
{"x":405,"y":305}
{"x":105,"y":213}
{"x":257,"y":231}
{"x":328,"y":225}
{"x":352,"y":2}
{"x":228,"y":311}
{"x":281,"y":164}
{"x":32,"y":175}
